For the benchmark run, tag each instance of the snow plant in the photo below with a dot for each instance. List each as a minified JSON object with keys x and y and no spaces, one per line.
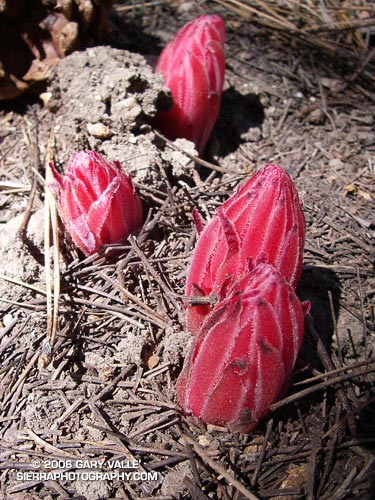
{"x":193,"y":66}
{"x":242,"y":359}
{"x":248,"y":258}
{"x":97,"y":201}
{"x":263,"y":218}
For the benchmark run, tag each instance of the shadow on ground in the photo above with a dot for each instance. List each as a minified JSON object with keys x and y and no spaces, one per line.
{"x":240,"y":118}
{"x":321,"y":287}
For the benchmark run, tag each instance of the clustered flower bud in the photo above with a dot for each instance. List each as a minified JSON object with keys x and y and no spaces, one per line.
{"x":193,"y":67}
{"x":250,"y":258}
{"x":263,"y":218}
{"x":243,"y":357}
{"x":97,"y":201}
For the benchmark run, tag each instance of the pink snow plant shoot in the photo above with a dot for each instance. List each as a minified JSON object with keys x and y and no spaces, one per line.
{"x":193,"y":67}
{"x":263,"y":218}
{"x":242,"y":360}
{"x":97,"y":201}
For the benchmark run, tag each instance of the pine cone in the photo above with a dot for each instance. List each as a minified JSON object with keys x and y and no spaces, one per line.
{"x":35,"y":35}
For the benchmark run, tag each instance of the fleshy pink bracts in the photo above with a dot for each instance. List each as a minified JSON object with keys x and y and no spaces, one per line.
{"x":263,"y":219}
{"x":97,"y":201}
{"x":242,"y":359}
{"x":193,"y":67}
{"x":247,"y":262}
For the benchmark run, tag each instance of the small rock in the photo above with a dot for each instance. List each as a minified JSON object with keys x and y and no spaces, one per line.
{"x":173,"y":483}
{"x":153,"y":361}
{"x":336,"y":163}
{"x":332,"y":84}
{"x":185,"y":7}
{"x":182,"y":165}
{"x":99,"y":130}
{"x":45,"y":97}
{"x":254,"y":134}
{"x":204,"y":441}
{"x":296,"y":477}
{"x":35,"y":228}
{"x":7,"y":320}
{"x":316,"y":116}
{"x":176,"y":345}
{"x":127,"y":109}
{"x":129,"y":349}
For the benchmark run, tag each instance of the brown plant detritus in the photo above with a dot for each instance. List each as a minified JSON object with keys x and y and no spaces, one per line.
{"x":35,"y":35}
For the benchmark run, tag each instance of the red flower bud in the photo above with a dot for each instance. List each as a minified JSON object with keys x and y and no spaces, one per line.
{"x":242,"y":359}
{"x":193,"y":67}
{"x":97,"y":201}
{"x":262,"y":219}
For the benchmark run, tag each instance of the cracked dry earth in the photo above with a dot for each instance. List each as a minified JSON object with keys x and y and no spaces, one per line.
{"x":103,"y":387}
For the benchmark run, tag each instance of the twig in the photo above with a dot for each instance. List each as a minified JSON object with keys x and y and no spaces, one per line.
{"x":219,"y":469}
{"x":315,"y":446}
{"x":52,"y":296}
{"x":152,"y":271}
{"x":22,"y":377}
{"x":112,"y":384}
{"x":157,"y":318}
{"x":49,"y":447}
{"x":335,"y":372}
{"x":30,"y":202}
{"x":198,"y":160}
{"x":263,"y":452}
{"x":14,"y":187}
{"x":319,"y":387}
{"x":364,"y":329}
{"x":22,"y":283}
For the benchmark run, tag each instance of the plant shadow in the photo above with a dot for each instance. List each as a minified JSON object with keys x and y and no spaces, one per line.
{"x":321,"y":287}
{"x":128,"y":34}
{"x":240,"y":119}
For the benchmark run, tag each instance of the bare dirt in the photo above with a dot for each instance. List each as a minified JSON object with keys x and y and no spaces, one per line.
{"x":103,"y":387}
